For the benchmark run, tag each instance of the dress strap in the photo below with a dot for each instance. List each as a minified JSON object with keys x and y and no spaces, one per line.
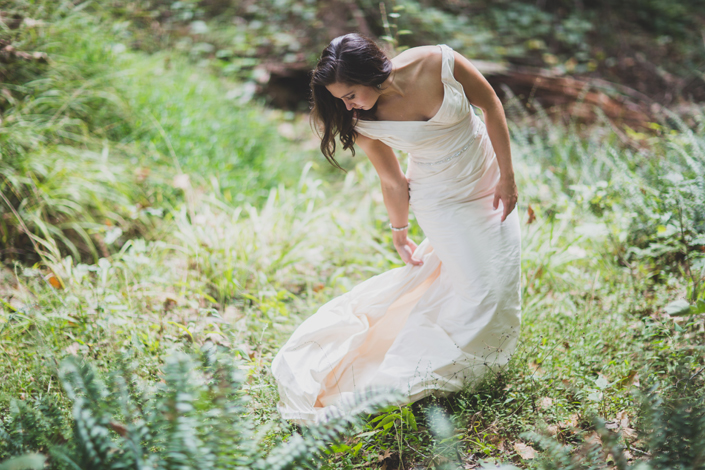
{"x":448,"y":63}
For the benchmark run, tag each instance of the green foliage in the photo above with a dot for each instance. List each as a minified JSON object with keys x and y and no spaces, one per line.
{"x":670,"y":435}
{"x":652,"y":188}
{"x":32,"y":427}
{"x":73,"y":200}
{"x":195,"y":417}
{"x":90,"y":142}
{"x":234,"y":38}
{"x":667,"y":195}
{"x":231,"y":37}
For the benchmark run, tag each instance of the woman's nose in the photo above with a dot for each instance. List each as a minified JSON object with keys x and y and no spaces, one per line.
{"x":348,"y":105}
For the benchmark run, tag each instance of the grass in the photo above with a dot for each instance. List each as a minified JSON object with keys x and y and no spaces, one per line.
{"x":146,"y":119}
{"x":171,"y":216}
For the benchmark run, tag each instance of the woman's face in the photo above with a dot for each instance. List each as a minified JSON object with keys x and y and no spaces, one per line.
{"x":354,"y":96}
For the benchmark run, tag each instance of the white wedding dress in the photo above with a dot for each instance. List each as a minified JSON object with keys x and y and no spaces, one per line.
{"x":419,"y":329}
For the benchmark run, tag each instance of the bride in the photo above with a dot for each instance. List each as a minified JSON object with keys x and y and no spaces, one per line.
{"x":453,"y":312}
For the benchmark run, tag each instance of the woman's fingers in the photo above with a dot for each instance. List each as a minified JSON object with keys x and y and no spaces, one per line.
{"x":509,"y":207}
{"x":506,"y":191}
{"x":415,"y":262}
{"x":506,"y":211}
{"x":411,"y":246}
{"x":406,"y":251}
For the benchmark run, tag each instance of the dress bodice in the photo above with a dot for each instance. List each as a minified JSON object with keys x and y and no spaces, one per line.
{"x":443,"y":137}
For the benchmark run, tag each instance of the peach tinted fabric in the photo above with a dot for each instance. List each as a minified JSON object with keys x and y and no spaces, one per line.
{"x":419,"y":329}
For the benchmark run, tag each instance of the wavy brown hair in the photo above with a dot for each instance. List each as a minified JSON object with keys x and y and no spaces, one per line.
{"x":352,"y":60}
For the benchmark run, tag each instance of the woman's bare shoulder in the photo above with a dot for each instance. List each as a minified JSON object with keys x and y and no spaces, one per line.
{"x":425,"y":54}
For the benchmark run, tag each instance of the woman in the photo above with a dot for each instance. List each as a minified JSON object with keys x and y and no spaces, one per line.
{"x":453,"y":311}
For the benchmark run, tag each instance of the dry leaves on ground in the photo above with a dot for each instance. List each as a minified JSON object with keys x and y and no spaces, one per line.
{"x":526,"y":452}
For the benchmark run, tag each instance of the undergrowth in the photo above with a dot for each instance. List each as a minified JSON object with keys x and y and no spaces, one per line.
{"x":152,"y":216}
{"x":99,"y":141}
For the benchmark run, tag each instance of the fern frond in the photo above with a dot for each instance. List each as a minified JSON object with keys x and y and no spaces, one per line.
{"x":305,"y":451}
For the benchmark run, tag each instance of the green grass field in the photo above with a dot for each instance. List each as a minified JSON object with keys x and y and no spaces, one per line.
{"x":152,"y":212}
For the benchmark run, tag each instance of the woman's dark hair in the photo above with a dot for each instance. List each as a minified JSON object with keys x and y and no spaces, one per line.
{"x":352,"y":60}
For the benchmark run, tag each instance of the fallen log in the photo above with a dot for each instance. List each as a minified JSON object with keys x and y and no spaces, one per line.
{"x":576,"y":97}
{"x":286,"y":85}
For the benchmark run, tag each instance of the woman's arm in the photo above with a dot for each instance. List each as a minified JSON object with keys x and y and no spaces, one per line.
{"x":481,"y":94}
{"x":395,"y":190}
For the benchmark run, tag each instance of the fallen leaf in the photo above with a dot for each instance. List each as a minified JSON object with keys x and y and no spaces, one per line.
{"x":552,"y":429}
{"x":118,"y":428}
{"x":628,"y":379}
{"x":593,"y":439}
{"x":536,"y":369}
{"x":55,"y":282}
{"x":387,"y":453}
{"x":532,"y":215}
{"x":546,"y":403}
{"x":524,"y":451}
{"x":73,"y":348}
{"x":628,"y":432}
{"x":623,"y":419}
{"x":571,"y":422}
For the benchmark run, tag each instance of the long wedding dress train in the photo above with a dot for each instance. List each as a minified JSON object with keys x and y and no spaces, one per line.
{"x":419,"y":329}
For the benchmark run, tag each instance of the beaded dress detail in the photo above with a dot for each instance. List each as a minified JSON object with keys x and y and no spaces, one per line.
{"x":424,"y":329}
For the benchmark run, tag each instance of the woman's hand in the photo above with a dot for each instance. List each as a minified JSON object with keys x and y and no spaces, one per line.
{"x":506,"y":191}
{"x":405,"y":247}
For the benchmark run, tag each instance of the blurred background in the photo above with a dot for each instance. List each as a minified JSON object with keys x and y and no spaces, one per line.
{"x":650,"y":52}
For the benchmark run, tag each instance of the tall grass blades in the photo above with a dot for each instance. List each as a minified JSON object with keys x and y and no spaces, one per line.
{"x":90,"y":143}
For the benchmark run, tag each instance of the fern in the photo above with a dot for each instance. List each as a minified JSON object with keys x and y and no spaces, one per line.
{"x":31,"y":427}
{"x":674,"y":428}
{"x":305,"y":451}
{"x":195,"y":418}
